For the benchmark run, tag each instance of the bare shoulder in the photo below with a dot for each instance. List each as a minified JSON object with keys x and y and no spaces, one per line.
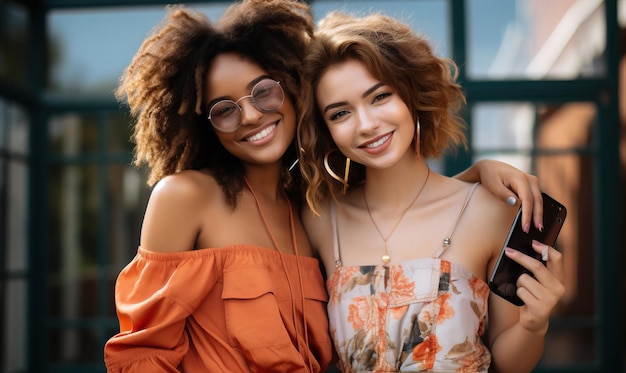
{"x":483,"y":200}
{"x":490,"y":216}
{"x":188,"y":182}
{"x":183,"y":191}
{"x":489,"y":213}
{"x":175,"y":211}
{"x":481,"y":229}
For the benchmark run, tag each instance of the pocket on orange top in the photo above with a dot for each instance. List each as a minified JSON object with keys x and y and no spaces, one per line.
{"x":253,"y":315}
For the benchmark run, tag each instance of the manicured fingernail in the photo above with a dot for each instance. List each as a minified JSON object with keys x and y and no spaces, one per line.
{"x":511,"y":201}
{"x":527,"y":228}
{"x":540,"y":228}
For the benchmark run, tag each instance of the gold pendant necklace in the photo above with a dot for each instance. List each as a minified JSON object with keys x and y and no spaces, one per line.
{"x":386,"y":258}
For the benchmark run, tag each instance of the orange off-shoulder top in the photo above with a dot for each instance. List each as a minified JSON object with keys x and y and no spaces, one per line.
{"x":234,"y":309}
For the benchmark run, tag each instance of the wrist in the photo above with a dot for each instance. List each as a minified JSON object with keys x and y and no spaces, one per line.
{"x":538,"y":330}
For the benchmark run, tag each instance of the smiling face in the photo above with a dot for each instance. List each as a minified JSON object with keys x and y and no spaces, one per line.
{"x":262,"y":137}
{"x":367,"y":119}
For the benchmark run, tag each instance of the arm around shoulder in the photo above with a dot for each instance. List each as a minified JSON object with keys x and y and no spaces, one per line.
{"x":510,"y":185}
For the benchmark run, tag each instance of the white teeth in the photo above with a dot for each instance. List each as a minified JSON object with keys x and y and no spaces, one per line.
{"x":378,"y":143}
{"x":262,"y":134}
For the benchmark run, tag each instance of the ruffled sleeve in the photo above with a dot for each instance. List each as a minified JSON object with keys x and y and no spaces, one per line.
{"x":154,"y":295}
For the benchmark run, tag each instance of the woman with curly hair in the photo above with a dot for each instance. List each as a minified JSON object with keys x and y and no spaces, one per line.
{"x":407,"y":251}
{"x":225,"y":279}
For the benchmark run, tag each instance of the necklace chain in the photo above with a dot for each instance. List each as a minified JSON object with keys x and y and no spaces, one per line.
{"x":386,"y":258}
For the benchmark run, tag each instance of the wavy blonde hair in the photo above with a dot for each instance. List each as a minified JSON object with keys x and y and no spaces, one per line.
{"x":163,"y":85}
{"x":400,"y":58}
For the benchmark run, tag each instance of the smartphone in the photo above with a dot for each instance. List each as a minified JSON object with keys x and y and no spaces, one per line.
{"x":504,"y":277}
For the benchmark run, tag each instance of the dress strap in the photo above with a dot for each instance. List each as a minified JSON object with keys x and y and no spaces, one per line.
{"x":333,"y":222}
{"x":448,"y":240}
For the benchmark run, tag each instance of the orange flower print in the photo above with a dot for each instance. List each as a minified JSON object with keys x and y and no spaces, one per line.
{"x":424,"y":353}
{"x":347,"y":274}
{"x":445,"y":310}
{"x":477,"y":361}
{"x":403,"y":291}
{"x":481,"y":328}
{"x":358,"y":313}
{"x":341,"y":276}
{"x":480,"y":293}
{"x":445,"y":266}
{"x":479,"y":288}
{"x":402,"y":286}
{"x":425,"y":317}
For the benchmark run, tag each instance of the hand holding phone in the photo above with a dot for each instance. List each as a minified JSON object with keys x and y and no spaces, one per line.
{"x":504,"y":276}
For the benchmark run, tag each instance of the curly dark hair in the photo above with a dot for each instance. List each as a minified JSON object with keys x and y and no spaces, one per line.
{"x":163,"y":84}
{"x":395,"y":55}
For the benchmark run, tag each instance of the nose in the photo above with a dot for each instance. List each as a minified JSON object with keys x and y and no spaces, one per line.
{"x":249,"y":113}
{"x":367,"y":121}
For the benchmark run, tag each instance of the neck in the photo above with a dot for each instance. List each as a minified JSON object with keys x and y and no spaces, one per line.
{"x":390,"y":188}
{"x":266,"y":181}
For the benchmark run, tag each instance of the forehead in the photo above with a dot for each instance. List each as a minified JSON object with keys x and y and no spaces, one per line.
{"x":344,"y":79}
{"x":229,"y":75}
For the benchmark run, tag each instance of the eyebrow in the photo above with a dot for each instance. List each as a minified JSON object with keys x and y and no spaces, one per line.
{"x":365,"y":94}
{"x":250,"y":85}
{"x":369,"y":91}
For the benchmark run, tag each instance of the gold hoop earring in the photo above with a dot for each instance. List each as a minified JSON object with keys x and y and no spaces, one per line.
{"x":344,"y":180}
{"x":418,"y":138}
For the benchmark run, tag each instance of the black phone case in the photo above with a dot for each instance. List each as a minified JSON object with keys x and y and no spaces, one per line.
{"x":504,"y":276}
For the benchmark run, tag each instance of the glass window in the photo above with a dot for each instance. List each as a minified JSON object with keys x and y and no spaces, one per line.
{"x":13,"y":235}
{"x":14,"y":129}
{"x":14,"y":41}
{"x":73,"y":238}
{"x":16,"y":218}
{"x":15,"y":331}
{"x":128,"y":196}
{"x":73,"y":134}
{"x":119,"y":131}
{"x":426,"y":17}
{"x":556,"y":39}
{"x":4,"y":124}
{"x":93,"y":61}
{"x":74,"y":345}
{"x":505,"y":131}
{"x":18,"y":130}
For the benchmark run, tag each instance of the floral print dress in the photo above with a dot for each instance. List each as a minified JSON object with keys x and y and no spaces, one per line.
{"x":425,"y":314}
